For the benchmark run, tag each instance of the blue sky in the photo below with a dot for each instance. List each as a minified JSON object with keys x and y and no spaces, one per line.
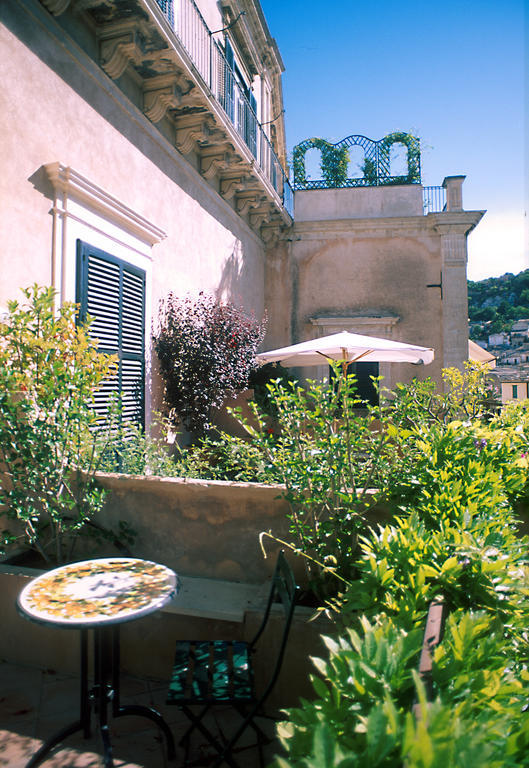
{"x":451,"y":73}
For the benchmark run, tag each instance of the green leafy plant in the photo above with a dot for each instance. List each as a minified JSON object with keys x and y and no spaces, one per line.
{"x":334,"y":162}
{"x":412,"y":145}
{"x":369,"y":171}
{"x":206,"y":349}
{"x":329,"y":459}
{"x":49,"y":370}
{"x":363,"y":711}
{"x":456,"y":536}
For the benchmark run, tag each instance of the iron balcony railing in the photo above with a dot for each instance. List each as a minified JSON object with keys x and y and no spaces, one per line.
{"x":210,"y":61}
{"x":434,"y":199}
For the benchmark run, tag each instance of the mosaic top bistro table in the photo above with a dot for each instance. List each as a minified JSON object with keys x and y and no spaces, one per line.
{"x":99,"y":595}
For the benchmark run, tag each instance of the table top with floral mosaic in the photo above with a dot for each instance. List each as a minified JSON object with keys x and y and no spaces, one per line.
{"x":95,"y":592}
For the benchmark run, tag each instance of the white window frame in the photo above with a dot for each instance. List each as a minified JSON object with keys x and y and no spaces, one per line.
{"x":83,"y":211}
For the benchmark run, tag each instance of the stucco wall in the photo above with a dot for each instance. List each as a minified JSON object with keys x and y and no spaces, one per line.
{"x":205,"y":528}
{"x":358,"y":203}
{"x":202,"y":528}
{"x":375,"y":261}
{"x":57,"y":105}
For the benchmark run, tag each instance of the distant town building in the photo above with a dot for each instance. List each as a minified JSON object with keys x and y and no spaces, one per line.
{"x":477,"y":354}
{"x":512,"y":384}
{"x":520,"y":328}
{"x":515,"y":356}
{"x":498,"y":339}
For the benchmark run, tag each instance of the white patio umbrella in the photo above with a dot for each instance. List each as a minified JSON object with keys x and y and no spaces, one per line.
{"x":348,"y":347}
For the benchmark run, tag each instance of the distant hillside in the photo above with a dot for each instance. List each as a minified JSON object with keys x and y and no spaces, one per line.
{"x":495,"y":303}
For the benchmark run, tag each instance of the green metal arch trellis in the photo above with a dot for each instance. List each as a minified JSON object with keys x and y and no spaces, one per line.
{"x":376,"y":168}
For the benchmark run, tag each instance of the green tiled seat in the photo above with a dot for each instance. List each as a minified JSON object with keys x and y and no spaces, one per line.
{"x":211,"y":673}
{"x":208,"y":671}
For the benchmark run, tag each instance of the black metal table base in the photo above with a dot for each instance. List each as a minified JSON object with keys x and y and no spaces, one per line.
{"x":105,"y":691}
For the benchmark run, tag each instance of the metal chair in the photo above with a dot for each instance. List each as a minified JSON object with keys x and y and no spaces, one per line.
{"x":218,"y":672}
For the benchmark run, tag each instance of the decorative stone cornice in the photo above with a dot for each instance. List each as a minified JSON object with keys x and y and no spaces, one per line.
{"x":357,"y":323}
{"x":456,"y":222}
{"x":70,"y":184}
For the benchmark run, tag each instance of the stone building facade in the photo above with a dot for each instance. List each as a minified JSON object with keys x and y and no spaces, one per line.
{"x":144,"y":151}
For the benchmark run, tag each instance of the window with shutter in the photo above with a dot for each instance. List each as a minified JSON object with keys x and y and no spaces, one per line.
{"x":251,"y":124}
{"x":229,"y":82}
{"x":112,"y":293}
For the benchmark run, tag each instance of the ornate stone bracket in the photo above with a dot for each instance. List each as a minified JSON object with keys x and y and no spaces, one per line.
{"x":212,"y":164}
{"x":270,"y":233}
{"x":196,"y":129}
{"x":56,"y":7}
{"x":243,"y":203}
{"x":161,"y":93}
{"x":118,"y":47}
{"x":231,"y":186}
{"x":259,"y":217}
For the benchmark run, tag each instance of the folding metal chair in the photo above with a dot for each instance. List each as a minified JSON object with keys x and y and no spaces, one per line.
{"x":218,"y":672}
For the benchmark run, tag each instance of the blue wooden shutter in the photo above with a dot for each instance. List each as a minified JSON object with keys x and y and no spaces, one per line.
{"x":112,"y":292}
{"x":229,"y":82}
{"x":251,"y":125}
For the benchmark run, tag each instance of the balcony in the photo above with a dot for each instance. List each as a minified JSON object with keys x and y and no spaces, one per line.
{"x":218,"y":76}
{"x":183,"y":83}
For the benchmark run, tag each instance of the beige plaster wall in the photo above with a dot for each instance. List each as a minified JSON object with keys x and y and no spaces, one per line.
{"x":57,"y":105}
{"x":202,"y":528}
{"x":205,"y":528}
{"x":369,"y":267}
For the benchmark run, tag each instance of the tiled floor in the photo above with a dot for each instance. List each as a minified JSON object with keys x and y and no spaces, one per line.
{"x":34,"y":704}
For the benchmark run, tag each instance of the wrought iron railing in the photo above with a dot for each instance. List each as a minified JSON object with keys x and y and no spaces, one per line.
{"x":434,"y":199}
{"x":376,"y":168}
{"x":209,"y":60}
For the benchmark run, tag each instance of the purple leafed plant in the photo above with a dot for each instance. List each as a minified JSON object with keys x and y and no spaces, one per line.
{"x":206,"y":349}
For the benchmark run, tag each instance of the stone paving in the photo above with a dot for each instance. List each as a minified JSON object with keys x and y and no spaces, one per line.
{"x":35,"y":703}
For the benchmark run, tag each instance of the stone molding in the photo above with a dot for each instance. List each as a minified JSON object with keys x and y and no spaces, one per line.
{"x":67,"y":181}
{"x":368,"y":324}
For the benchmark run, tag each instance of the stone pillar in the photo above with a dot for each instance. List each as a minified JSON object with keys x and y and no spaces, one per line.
{"x":454,"y":291}
{"x":454,"y":192}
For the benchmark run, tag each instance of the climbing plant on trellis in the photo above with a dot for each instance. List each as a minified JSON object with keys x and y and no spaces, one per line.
{"x":375,"y":168}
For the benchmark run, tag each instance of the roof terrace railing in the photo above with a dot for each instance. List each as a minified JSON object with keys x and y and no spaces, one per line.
{"x":217,"y":73}
{"x":434,"y":199}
